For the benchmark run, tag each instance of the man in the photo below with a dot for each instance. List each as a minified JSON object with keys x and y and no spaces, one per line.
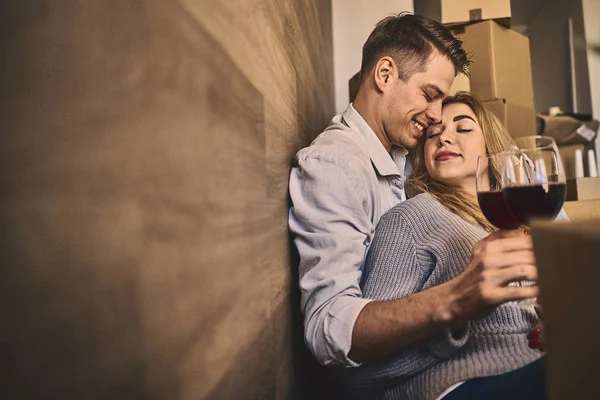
{"x":352,"y":174}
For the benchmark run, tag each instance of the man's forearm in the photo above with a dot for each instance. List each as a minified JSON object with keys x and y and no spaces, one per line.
{"x":385,"y":327}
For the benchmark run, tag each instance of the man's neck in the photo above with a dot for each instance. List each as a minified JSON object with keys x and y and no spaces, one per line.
{"x":368,"y":111}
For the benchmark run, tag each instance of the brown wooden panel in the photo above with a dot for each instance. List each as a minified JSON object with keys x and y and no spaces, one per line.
{"x":567,"y":258}
{"x":143,"y":197}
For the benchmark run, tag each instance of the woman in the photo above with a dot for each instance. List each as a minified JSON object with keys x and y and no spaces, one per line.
{"x":427,"y":241}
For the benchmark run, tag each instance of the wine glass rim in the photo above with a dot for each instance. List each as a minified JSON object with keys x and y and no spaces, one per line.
{"x":551,"y":142}
{"x":515,"y":150}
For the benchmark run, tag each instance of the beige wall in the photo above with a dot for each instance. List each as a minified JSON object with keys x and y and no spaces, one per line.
{"x":353,"y":21}
{"x":145,"y":154}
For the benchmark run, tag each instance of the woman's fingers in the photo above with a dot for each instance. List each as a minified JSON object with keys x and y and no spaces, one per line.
{"x":511,"y":238}
{"x":535,"y":333}
{"x":500,"y":234}
{"x":534,"y":343}
{"x":536,"y":338}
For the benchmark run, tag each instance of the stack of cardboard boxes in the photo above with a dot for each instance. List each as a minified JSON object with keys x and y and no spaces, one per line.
{"x":500,"y":72}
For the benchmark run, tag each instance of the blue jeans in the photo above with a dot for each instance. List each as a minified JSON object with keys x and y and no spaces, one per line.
{"x":525,"y":383}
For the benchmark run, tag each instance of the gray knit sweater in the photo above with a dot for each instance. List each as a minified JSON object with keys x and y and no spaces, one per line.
{"x":420,"y":244}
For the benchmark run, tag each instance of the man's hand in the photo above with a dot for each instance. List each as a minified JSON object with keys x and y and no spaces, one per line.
{"x":501,"y":258}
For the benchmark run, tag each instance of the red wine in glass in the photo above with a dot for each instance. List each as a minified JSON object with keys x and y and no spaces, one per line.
{"x":496,"y":210}
{"x":533,"y":179}
{"x":531,"y":201}
{"x":489,"y":192}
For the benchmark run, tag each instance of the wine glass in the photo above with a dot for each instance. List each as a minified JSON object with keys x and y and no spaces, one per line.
{"x":489,"y":191}
{"x":533,"y":179}
{"x":531,"y":142}
{"x":534,"y":182}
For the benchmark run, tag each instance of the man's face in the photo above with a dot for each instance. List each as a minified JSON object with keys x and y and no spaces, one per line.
{"x":415,"y":104}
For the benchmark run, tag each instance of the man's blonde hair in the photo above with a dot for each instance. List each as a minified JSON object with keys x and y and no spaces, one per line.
{"x":457,"y":200}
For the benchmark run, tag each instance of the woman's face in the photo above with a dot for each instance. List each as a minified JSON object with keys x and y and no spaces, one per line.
{"x":452,"y":147}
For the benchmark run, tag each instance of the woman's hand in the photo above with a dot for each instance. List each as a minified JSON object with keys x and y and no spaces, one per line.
{"x":536,"y":336}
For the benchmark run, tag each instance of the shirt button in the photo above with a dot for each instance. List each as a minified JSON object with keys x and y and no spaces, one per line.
{"x":398,"y":182}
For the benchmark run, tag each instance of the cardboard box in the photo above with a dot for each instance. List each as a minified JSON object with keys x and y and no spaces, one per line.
{"x":465,"y":11}
{"x":582,"y":210}
{"x":501,"y":67}
{"x":519,"y":120}
{"x":568,"y":130}
{"x":461,"y":84}
{"x":583,"y":189}
{"x":568,"y":260}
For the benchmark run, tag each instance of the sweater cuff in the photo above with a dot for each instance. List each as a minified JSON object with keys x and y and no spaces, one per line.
{"x":445,"y":344}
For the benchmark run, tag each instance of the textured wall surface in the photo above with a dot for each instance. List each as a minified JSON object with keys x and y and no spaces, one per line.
{"x":145,"y":150}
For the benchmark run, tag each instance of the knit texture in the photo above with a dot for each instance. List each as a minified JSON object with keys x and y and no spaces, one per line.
{"x":420,"y":244}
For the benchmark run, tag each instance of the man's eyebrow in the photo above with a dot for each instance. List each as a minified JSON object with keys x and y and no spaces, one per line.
{"x":440,"y":92}
{"x":459,"y":117}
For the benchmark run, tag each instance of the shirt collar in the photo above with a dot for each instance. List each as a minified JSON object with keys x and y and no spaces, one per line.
{"x":384,"y":163}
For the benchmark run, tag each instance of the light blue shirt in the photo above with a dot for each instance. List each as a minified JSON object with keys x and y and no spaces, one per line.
{"x":340,"y":187}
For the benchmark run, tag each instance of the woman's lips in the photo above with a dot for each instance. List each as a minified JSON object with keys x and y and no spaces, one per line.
{"x":446,"y":155}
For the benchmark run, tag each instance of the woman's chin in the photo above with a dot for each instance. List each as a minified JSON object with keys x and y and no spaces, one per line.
{"x":450,"y":179}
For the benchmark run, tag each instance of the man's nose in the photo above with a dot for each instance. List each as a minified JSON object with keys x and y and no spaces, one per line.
{"x":434,"y":112}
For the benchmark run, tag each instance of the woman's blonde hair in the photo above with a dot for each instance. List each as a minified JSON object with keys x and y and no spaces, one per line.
{"x":457,"y":200}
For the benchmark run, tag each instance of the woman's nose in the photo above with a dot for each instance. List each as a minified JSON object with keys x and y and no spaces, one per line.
{"x":444,"y":139}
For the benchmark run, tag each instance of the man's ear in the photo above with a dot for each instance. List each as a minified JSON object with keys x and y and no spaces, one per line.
{"x":385,"y":73}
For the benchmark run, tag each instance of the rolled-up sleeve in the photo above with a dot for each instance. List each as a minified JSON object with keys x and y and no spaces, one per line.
{"x":330,"y":224}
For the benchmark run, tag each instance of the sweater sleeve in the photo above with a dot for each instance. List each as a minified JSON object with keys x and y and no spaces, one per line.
{"x":445,"y":344}
{"x":394,"y":269}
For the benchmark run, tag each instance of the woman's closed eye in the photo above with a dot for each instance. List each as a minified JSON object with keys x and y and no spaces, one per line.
{"x":464,"y":126}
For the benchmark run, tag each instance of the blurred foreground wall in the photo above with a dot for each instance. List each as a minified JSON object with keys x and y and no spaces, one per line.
{"x":145,"y":149}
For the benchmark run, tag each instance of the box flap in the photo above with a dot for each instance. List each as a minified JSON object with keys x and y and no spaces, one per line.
{"x":462,"y":11}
